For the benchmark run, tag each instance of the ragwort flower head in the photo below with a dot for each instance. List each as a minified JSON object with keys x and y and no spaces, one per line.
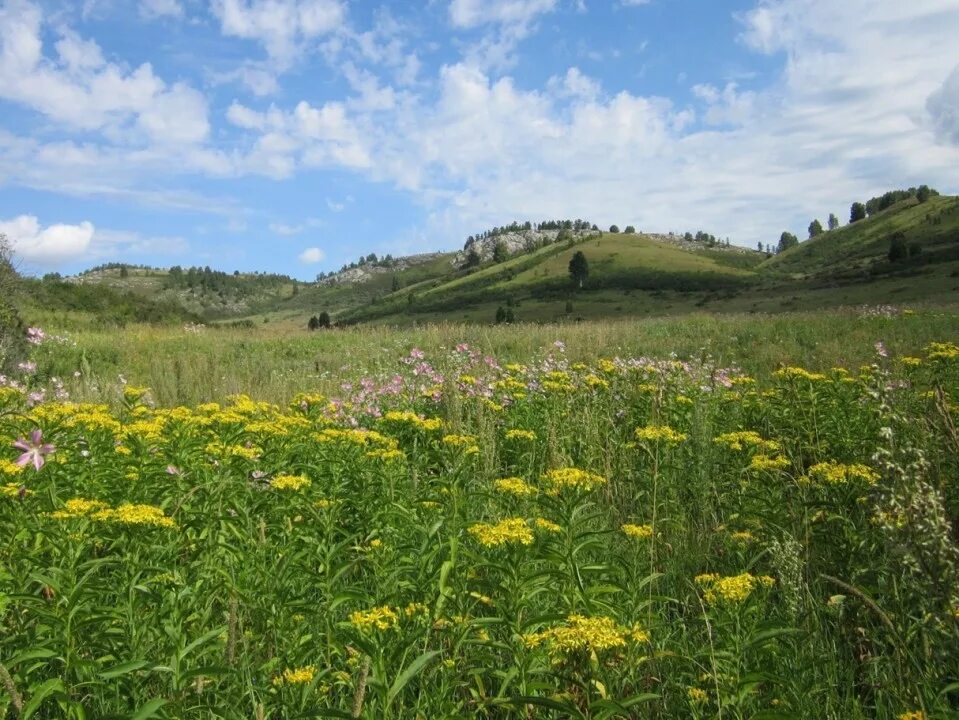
{"x":382,"y":617}
{"x":570,"y":478}
{"x":295,"y":676}
{"x":514,"y":486}
{"x":639,"y":532}
{"x":290,"y":482}
{"x":731,"y":590}
{"x":509,"y":531}
{"x":579,"y":634}
{"x":659,"y":433}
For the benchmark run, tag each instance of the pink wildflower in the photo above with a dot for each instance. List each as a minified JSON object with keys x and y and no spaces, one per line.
{"x":34,"y":450}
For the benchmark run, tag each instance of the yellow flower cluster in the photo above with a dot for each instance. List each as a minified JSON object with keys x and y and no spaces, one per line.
{"x":798,"y":373}
{"x":548,"y":525}
{"x":942,"y":351}
{"x":759,"y":463}
{"x":352,"y":436}
{"x":743,"y":536}
{"x":514,"y":486}
{"x":659,"y":433}
{"x":910,"y":361}
{"x":295,"y":676}
{"x":594,"y":381}
{"x":511,"y":530}
{"x":8,"y":467}
{"x":132,"y":514}
{"x":411,"y":419}
{"x":746,"y":439}
{"x":517,"y":434}
{"x":834,"y":473}
{"x":290,"y":482}
{"x":732,"y":589}
{"x":585,"y":634}
{"x":697,"y":696}
{"x":639,"y":532}
{"x":124,"y":514}
{"x":78,"y":507}
{"x":386,"y":455}
{"x":913,"y":715}
{"x":572,"y":478}
{"x":466,"y":442}
{"x":378,"y":618}
{"x":12,"y":490}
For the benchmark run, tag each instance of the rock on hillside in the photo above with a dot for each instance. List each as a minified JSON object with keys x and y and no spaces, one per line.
{"x":362,"y":273}
{"x":515,"y":241}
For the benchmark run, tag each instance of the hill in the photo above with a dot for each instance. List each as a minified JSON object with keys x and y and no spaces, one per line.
{"x":523,"y":271}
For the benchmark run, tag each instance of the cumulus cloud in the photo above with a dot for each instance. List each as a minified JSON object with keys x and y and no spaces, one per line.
{"x":153,"y":9}
{"x":943,"y":106}
{"x":311,"y":256}
{"x":49,"y":245}
{"x":279,"y":25}
{"x":472,"y":13}
{"x":80,"y":89}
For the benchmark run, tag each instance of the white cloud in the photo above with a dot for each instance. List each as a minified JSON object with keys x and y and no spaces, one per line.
{"x":306,"y":136}
{"x":81,"y":90}
{"x":472,"y":13}
{"x":153,"y":9}
{"x":943,"y":106}
{"x":49,"y":245}
{"x":279,"y":25}
{"x":311,"y":256}
{"x":288,"y":230}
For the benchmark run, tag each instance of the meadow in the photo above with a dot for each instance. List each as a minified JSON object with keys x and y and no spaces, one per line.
{"x":740,"y":517}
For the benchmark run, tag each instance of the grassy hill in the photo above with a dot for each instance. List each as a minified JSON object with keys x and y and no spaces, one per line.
{"x":629,"y":274}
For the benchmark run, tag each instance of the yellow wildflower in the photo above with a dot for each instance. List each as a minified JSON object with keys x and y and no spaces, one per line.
{"x":564,"y":478}
{"x":733,"y":589}
{"x":548,"y":526}
{"x":378,"y":618}
{"x":746,"y":438}
{"x":639,"y":532}
{"x":697,"y":695}
{"x":517,"y":434}
{"x":659,"y":433}
{"x":514,"y":486}
{"x":290,"y":482}
{"x":295,"y":676}
{"x":511,"y":530}
{"x":133,"y":514}
{"x":913,"y":715}
{"x":584,"y":634}
{"x":834,"y":473}
{"x":12,"y":490}
{"x":798,"y":373}
{"x":765,"y":462}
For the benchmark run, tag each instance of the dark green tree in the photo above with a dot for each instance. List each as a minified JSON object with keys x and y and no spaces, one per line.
{"x":500,"y":252}
{"x":630,"y":230}
{"x":786,"y":241}
{"x":324,"y":319}
{"x":923,"y":193}
{"x":396,"y":283}
{"x":898,"y":249}
{"x":314,"y":323}
{"x":500,"y":315}
{"x":833,"y":221}
{"x":579,"y":268}
{"x":857,"y":212}
{"x":614,"y":228}
{"x":510,"y":317}
{"x":815,"y":229}
{"x":473,"y":258}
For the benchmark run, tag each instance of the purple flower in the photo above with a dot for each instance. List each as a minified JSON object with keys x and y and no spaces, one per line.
{"x":34,"y":449}
{"x":27,"y":367}
{"x":173,"y":470}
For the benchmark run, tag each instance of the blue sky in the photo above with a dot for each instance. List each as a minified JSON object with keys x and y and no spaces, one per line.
{"x":294,"y":135}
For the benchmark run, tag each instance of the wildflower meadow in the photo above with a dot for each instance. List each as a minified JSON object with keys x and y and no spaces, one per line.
{"x":466,"y":537}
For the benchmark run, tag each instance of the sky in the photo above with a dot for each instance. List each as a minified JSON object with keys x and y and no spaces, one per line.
{"x":293,"y":136}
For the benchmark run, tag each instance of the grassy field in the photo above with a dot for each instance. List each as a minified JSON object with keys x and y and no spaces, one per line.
{"x":275,"y":361}
{"x":714,"y":516}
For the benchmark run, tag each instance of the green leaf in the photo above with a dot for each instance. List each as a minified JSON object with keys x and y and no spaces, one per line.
{"x":150,"y":709}
{"x":411,"y":671}
{"x":42,"y":692}
{"x":123,"y":669}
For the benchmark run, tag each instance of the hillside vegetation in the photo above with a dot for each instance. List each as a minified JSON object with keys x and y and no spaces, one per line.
{"x":521,"y":272}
